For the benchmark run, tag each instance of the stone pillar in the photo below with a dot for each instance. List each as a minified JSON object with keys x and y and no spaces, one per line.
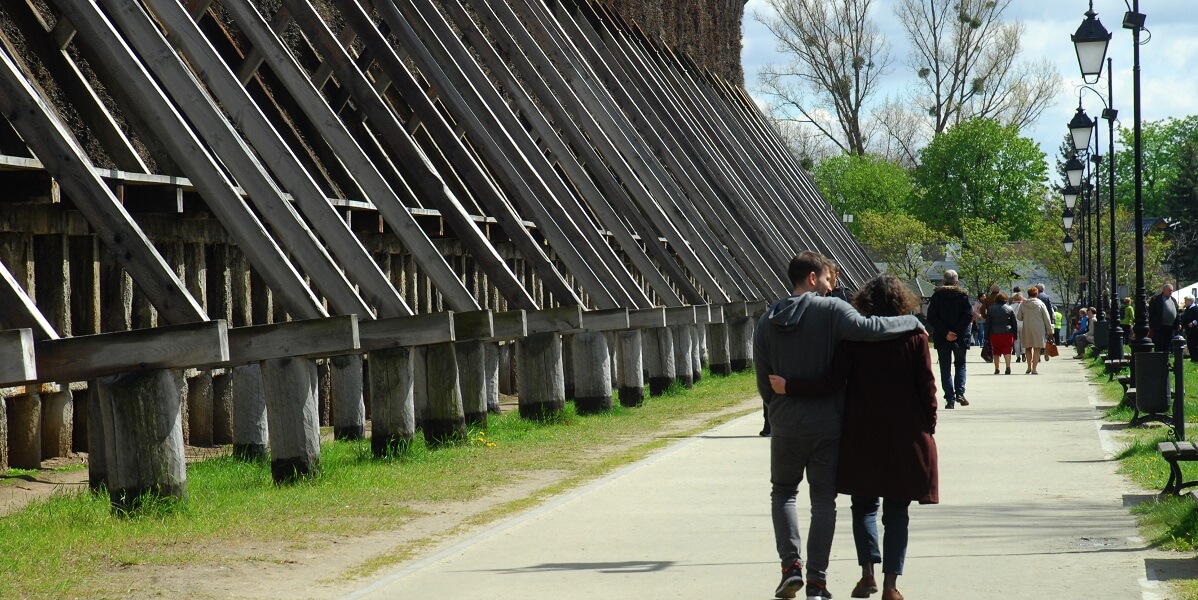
{"x":58,"y":411}
{"x":682,"y":355}
{"x":143,"y":437}
{"x":393,"y":418}
{"x":24,"y":415}
{"x":717,"y":346}
{"x":472,"y":381}
{"x":542,"y":382}
{"x":444,"y":420}
{"x":592,"y":373}
{"x":740,"y":343}
{"x":249,"y":414}
{"x":629,"y":376}
{"x":349,"y":404}
{"x":658,"y":356}
{"x":292,"y":419}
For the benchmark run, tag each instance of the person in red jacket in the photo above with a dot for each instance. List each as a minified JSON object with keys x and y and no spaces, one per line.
{"x":887,"y":450}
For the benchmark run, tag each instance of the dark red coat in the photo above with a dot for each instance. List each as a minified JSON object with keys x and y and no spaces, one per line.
{"x":886,"y":444}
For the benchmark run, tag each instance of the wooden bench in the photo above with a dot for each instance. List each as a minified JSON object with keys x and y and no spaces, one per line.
{"x":1114,"y":366}
{"x":1175,"y":453}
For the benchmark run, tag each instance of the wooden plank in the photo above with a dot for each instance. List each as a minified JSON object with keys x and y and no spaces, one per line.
{"x":567,"y":319}
{"x":417,"y":330}
{"x":309,"y":338}
{"x":716,"y":314}
{"x":510,"y":325}
{"x":230,"y":149}
{"x":703,"y":314}
{"x":647,"y":318}
{"x":736,"y":309}
{"x":615,"y":319}
{"x":682,"y":315}
{"x":150,"y":103}
{"x":87,"y":357}
{"x":334,"y":233}
{"x":16,"y":356}
{"x":50,"y":140}
{"x":473,"y":325}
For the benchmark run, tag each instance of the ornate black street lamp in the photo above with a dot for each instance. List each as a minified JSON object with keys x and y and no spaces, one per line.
{"x":1090,"y":41}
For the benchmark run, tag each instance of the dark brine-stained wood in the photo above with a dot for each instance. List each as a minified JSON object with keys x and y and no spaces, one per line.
{"x":143,"y":437}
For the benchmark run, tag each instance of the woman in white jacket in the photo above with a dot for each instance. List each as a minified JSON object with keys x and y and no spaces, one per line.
{"x":1035,"y":326}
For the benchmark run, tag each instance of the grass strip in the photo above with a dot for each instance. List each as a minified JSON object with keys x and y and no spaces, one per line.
{"x":71,"y":544}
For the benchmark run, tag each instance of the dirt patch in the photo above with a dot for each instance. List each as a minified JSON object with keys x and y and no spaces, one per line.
{"x":327,"y":568}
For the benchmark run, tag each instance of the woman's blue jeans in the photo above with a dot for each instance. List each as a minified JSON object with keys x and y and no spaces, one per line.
{"x":893,"y":552}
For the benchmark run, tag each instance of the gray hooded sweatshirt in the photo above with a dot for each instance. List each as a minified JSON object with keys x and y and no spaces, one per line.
{"x":796,"y":339}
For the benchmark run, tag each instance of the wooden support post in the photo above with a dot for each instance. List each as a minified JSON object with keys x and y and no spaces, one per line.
{"x":740,"y":343}
{"x":542,"y":384}
{"x":592,"y":373}
{"x":682,"y":355}
{"x":24,"y":414}
{"x":444,"y":419}
{"x":717,"y":346}
{"x":143,"y":437}
{"x":222,"y":407}
{"x":116,"y":304}
{"x":658,"y":356}
{"x":97,"y":453}
{"x":568,"y":366}
{"x":472,"y":380}
{"x":79,"y":420}
{"x":393,"y":418}
{"x":324,"y":392}
{"x":491,"y":373}
{"x":249,"y":414}
{"x":349,"y":405}
{"x":698,"y":335}
{"x":629,"y":376}
{"x":58,"y":411}
{"x":199,"y":409}
{"x":506,"y":365}
{"x":292,"y":420}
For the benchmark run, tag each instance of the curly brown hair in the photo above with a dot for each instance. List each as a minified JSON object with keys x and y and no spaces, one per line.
{"x":885,"y":296}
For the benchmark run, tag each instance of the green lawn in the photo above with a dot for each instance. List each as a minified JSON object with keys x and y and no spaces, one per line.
{"x":66,"y":545}
{"x":1168,"y":523}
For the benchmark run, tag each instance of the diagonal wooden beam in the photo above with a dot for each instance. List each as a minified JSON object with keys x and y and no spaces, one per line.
{"x":233,"y":152}
{"x":19,"y":311}
{"x":47,"y":137}
{"x":396,"y":139}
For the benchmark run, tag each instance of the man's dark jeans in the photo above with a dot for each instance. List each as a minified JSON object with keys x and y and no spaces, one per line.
{"x":950,"y":358}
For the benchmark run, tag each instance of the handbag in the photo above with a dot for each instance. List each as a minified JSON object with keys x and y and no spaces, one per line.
{"x":987,"y":351}
{"x":1050,"y":348}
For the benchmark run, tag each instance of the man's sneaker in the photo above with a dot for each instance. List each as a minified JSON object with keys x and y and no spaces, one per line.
{"x":792,"y":580}
{"x":817,"y":590}
{"x":962,"y":401}
{"x":950,"y":405}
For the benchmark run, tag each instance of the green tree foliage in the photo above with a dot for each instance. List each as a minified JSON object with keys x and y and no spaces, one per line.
{"x":980,"y":170}
{"x":1181,"y":202}
{"x":901,"y":241}
{"x":856,"y":184}
{"x":1163,"y":142}
{"x":987,"y":255}
{"x":1046,"y":249}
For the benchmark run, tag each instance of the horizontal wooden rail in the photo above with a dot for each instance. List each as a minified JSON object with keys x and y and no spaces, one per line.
{"x":176,"y":347}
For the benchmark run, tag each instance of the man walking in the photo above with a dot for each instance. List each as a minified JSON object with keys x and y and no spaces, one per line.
{"x":950,"y":315}
{"x":796,"y":338}
{"x":1163,"y":315}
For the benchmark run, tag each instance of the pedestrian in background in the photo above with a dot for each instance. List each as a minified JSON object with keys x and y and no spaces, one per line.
{"x":1163,"y":315}
{"x":1189,"y":327}
{"x":1035,"y":325}
{"x":950,"y":315}
{"x":1003,"y":327}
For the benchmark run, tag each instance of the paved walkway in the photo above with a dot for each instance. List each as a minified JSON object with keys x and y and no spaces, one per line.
{"x":1031,"y":507}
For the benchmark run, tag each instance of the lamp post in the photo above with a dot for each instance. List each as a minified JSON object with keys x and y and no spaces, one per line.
{"x":1134,"y":20}
{"x":1090,"y":42}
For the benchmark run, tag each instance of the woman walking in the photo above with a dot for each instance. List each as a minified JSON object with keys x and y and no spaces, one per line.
{"x":887,"y":452}
{"x":1035,"y":327}
{"x":1002,"y":325}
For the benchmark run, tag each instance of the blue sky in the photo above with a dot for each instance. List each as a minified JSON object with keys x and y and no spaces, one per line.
{"x":1169,"y":62}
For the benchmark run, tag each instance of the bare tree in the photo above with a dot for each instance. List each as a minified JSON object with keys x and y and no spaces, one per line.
{"x":966,"y":58}
{"x":837,"y":57}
